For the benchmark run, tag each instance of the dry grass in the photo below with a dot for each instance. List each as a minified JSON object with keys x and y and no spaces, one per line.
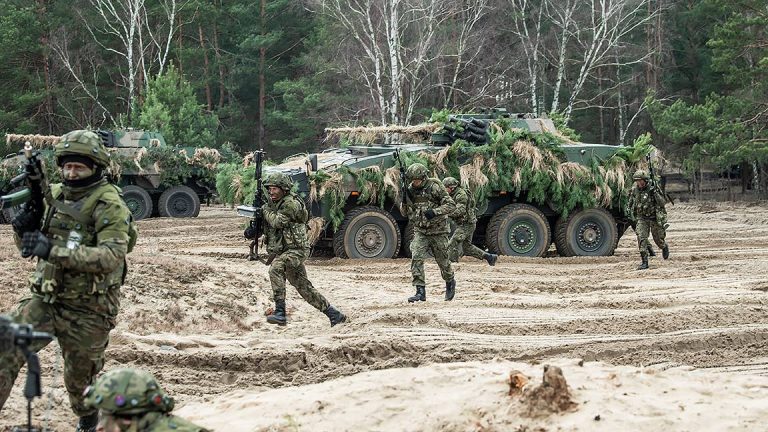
{"x":616,"y":175}
{"x":204,"y":157}
{"x":237,"y":187}
{"x":570,"y":172}
{"x":369,"y":134}
{"x":438,"y":160}
{"x":529,"y":152}
{"x":472,"y":173}
{"x":316,"y":226}
{"x":373,"y":189}
{"x":37,"y":141}
{"x":248,"y":160}
{"x":137,"y":159}
{"x":392,"y":180}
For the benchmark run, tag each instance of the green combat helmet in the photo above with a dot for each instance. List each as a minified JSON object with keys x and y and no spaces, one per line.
{"x":450,"y":182}
{"x":82,"y":143}
{"x":127,"y":392}
{"x":417,"y":171}
{"x":640,"y":175}
{"x":279,"y":180}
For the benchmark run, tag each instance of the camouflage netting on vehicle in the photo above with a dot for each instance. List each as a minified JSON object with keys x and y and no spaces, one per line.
{"x":174,"y":165}
{"x":516,"y":161}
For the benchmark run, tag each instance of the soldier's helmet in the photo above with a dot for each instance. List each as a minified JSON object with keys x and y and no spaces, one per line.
{"x":640,"y":175}
{"x":280,"y":180}
{"x":417,"y":171}
{"x":82,"y":143}
{"x":127,"y":392}
{"x":450,"y":182}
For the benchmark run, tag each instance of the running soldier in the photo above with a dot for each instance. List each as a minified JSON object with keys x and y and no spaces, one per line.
{"x":288,"y":247}
{"x":465,"y":220}
{"x":80,"y":240}
{"x":132,"y":400}
{"x":428,"y":206}
{"x":646,"y":207}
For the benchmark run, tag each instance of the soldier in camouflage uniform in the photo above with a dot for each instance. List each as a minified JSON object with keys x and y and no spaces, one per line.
{"x":465,"y":219}
{"x":287,"y":244}
{"x":428,"y":206}
{"x":80,"y":239}
{"x":646,"y":207}
{"x":132,"y":400}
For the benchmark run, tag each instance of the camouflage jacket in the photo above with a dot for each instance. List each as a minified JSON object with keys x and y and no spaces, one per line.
{"x":87,"y":256}
{"x":465,"y":206}
{"x":286,"y":224}
{"x":160,"y":422}
{"x":432,"y":195}
{"x":646,"y":203}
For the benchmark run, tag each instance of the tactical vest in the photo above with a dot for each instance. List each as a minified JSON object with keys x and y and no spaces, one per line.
{"x":294,"y":235}
{"x":421,"y":200}
{"x":71,"y":229}
{"x":645,"y":203}
{"x":469,"y":213}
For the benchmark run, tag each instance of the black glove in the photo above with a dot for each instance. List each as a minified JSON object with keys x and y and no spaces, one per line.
{"x":250,"y":232}
{"x":26,"y":221}
{"x":430,"y":214}
{"x":35,"y":244}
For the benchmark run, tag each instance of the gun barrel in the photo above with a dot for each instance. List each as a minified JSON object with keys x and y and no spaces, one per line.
{"x":15,"y":199}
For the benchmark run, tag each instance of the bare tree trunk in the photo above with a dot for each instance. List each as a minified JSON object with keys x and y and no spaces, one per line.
{"x":44,"y":42}
{"x":262,"y":80}
{"x":217,"y":51}
{"x":206,"y":69}
{"x":181,"y":47}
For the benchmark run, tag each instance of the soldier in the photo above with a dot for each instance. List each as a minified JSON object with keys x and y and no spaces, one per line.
{"x":464,"y":217}
{"x":646,"y":207}
{"x":132,"y":400}
{"x":428,"y":206}
{"x":287,"y":244}
{"x":80,"y":239}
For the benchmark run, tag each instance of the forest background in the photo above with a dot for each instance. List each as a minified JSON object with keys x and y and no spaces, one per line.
{"x":273,"y":74}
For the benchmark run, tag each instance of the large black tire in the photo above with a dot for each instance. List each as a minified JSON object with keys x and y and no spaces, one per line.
{"x":138,"y":201}
{"x":587,"y":232}
{"x":367,"y":232}
{"x":179,"y":202}
{"x":518,"y":230}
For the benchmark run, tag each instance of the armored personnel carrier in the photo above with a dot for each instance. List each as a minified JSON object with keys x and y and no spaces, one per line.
{"x":157,"y":179}
{"x":533,"y":186}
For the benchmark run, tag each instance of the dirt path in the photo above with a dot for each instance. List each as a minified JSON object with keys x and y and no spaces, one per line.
{"x":193,"y":309}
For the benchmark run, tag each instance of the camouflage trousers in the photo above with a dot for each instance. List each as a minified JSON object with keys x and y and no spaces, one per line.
{"x":460,"y":243}
{"x":645,"y":227}
{"x":290,"y":265}
{"x":82,"y":329}
{"x":438,"y":245}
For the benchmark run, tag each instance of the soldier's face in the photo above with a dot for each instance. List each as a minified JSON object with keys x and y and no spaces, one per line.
{"x":641,"y":183}
{"x":276,"y":193}
{"x":417,"y":183}
{"x":75,"y":171}
{"x":449,"y":189}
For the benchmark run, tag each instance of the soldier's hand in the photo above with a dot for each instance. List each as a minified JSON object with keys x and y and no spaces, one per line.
{"x":250,"y":232}
{"x":26,"y":221}
{"x":35,"y":244}
{"x":430,"y":214}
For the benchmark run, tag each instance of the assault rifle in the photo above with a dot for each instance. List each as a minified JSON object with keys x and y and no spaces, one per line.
{"x":403,"y":179}
{"x":33,"y":178}
{"x":256,"y":226}
{"x":652,"y":179}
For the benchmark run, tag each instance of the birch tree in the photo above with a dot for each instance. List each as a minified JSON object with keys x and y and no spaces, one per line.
{"x":398,"y":45}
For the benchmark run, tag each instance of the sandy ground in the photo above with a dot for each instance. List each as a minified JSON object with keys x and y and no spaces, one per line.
{"x":661,"y":347}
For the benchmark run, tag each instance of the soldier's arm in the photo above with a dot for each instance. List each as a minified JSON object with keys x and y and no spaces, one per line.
{"x":280,"y":218}
{"x":462,"y":202}
{"x":112,"y":224}
{"x":447,"y":205}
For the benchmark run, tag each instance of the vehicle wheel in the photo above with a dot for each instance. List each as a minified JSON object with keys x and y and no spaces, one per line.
{"x":179,"y":202}
{"x":367,"y":232}
{"x":587,"y":232}
{"x":138,"y":201}
{"x":518,"y":230}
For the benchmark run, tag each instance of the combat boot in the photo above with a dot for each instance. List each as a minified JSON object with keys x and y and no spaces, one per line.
{"x":643,"y":265}
{"x":665,"y":252}
{"x":88,"y":423}
{"x":651,"y":252}
{"x":278,"y":316}
{"x":421,"y":294}
{"x":491,"y":258}
{"x":450,"y":289}
{"x":334,"y":315}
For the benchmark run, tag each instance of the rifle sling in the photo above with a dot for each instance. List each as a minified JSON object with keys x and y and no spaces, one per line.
{"x":68,"y":209}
